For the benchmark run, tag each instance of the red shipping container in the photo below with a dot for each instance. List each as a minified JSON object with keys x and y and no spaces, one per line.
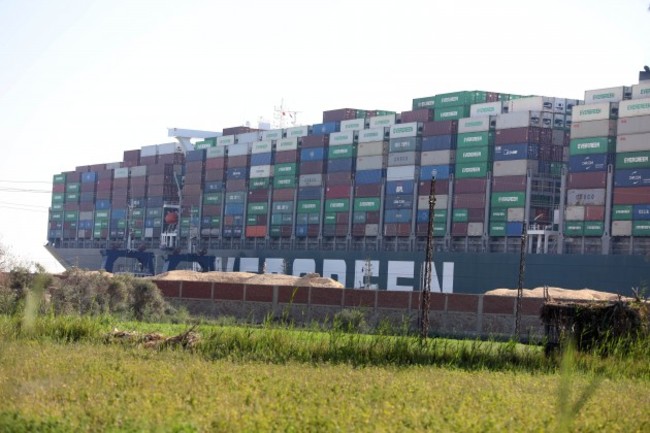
{"x":215,"y":163}
{"x":313,"y":230}
{"x":211,"y":210}
{"x":358,"y":229}
{"x":58,"y":187}
{"x":459,"y":229}
{"x":443,"y":127}
{"x":596,"y":179}
{"x":517,"y":135}
{"x":476,"y":215}
{"x":594,"y":213}
{"x":369,"y":190}
{"x":343,"y":180}
{"x":236,"y":185}
{"x":285,"y":194}
{"x":132,"y":156}
{"x":238,"y":161}
{"x":313,"y":141}
{"x":258,"y":195}
{"x":339,"y":191}
{"x":192,"y":189}
{"x":286,"y":156}
{"x":312,"y":167}
{"x":508,"y":183}
{"x":255,"y":231}
{"x":466,"y":186}
{"x":342,"y":218}
{"x":632,"y":195}
{"x":195,"y":165}
{"x":372,"y":217}
{"x":211,"y":175}
{"x":442,"y":187}
{"x":469,"y":201}
{"x":420,"y":115}
{"x":339,"y":114}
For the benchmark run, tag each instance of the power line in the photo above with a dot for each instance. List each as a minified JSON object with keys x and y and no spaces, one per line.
{"x":26,"y":181}
{"x":37,"y":191}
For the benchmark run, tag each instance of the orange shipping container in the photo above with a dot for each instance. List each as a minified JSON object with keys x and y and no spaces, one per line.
{"x":255,"y":231}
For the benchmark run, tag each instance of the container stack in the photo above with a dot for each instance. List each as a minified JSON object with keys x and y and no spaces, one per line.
{"x":237,"y":169}
{"x":341,"y":159}
{"x":285,"y":182}
{"x":313,"y":153}
{"x":631,"y":198}
{"x":213,"y":190}
{"x":259,"y":194}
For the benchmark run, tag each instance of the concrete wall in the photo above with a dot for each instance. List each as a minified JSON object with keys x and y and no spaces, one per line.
{"x":449,"y":314}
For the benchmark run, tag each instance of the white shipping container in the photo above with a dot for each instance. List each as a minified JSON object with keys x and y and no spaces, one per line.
{"x":372,"y":148}
{"x":272,"y":134}
{"x":239,"y":149}
{"x":621,"y":228}
{"x":85,"y":215}
{"x":476,"y":124}
{"x":574,"y":213}
{"x":113,"y":165}
{"x":532,"y":103}
{"x":168,"y":148}
{"x":297,"y":131}
{"x":610,"y":94}
{"x":341,"y":138}
{"x":374,"y":134}
{"x":148,"y":232}
{"x":215,"y":152}
{"x":560,"y":106}
{"x":310,"y":180}
{"x":515,"y":214}
{"x":517,"y":167}
{"x":353,"y":124}
{"x":260,"y":171}
{"x":486,"y":109}
{"x":403,"y":130}
{"x":385,"y":121}
{"x":264,"y":146}
{"x":581,"y":197}
{"x":524,"y":119}
{"x":438,"y":157}
{"x":121,"y":173}
{"x":371,"y":162}
{"x":286,"y":144}
{"x":139,"y":170}
{"x":405,"y":172}
{"x":641,"y":90}
{"x":596,"y":128}
{"x":634,"y":107}
{"x":225,"y":140}
{"x":633,"y":125}
{"x":590,"y":112}
{"x":633,"y":143}
{"x":475,"y":229}
{"x":150,"y":150}
{"x":372,"y":229}
{"x":248,"y":137}
{"x":441,"y":201}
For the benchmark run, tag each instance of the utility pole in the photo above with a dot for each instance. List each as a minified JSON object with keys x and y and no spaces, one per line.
{"x":426,"y":286}
{"x":367,"y":273}
{"x":520,"y":285}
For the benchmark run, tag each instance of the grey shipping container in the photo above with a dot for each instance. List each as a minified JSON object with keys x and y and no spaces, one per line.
{"x":403,"y":158}
{"x":524,"y":119}
{"x":633,"y":125}
{"x":593,"y":196}
{"x":517,"y":167}
{"x":633,"y":143}
{"x":476,"y":124}
{"x":438,"y":157}
{"x":597,"y":128}
{"x":371,"y":162}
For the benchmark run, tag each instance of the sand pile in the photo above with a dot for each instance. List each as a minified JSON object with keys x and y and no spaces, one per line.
{"x":557,"y":293}
{"x":309,"y":280}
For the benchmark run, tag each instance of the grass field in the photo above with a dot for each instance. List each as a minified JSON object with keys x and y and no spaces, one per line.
{"x":62,"y":376}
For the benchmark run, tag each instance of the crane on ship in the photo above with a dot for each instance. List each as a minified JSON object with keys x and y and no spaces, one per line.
{"x":170,"y":232}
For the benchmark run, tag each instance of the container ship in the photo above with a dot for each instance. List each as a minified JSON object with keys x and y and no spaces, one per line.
{"x":349,"y":198}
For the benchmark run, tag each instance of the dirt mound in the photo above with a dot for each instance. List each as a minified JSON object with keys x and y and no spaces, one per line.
{"x":558,"y":293}
{"x":309,"y":280}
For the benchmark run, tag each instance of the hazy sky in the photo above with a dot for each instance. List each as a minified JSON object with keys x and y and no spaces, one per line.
{"x":81,"y":81}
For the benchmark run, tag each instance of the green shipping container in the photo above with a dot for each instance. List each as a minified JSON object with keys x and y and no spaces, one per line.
{"x":451,"y":113}
{"x":633,"y":160}
{"x":369,"y":204}
{"x":454,"y":99}
{"x":276,"y":219}
{"x":343,"y":151}
{"x":474,"y":154}
{"x":622,"y":212}
{"x":498,"y":229}
{"x":508,"y":199}
{"x":427,"y":102}
{"x":212,"y":198}
{"x":58,"y":197}
{"x":261,"y":208}
{"x":259,"y":183}
{"x":137,"y":233}
{"x":58,"y":178}
{"x":557,"y":168}
{"x":439,"y":231}
{"x":574,"y":228}
{"x":57,"y":206}
{"x":641,"y":228}
{"x":285,"y":169}
{"x":101,"y":215}
{"x":460,"y":216}
{"x":185,"y":222}
{"x":71,"y":197}
{"x":440,"y":216}
{"x":137,"y":213}
{"x":330,"y":218}
{"x":215,"y":221}
{"x":337,"y":205}
{"x":154,"y":213}
{"x":281,"y":182}
{"x":72,"y":187}
{"x":56,"y":216}
{"x":71,"y":216}
{"x":308,"y":206}
{"x":499,"y":215}
{"x":477,"y":169}
{"x":587,"y":146}
{"x":594,"y":228}
{"x":475,"y":139}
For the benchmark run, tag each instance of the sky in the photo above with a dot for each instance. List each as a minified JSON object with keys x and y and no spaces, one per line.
{"x":81,"y":81}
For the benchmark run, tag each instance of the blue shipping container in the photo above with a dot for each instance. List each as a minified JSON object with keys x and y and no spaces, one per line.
{"x":423,"y":216}
{"x":302,"y":218}
{"x":102,"y":204}
{"x":582,"y":163}
{"x":400,"y":187}
{"x":514,"y":229}
{"x":195,"y":155}
{"x":85,"y":224}
{"x":399,"y":202}
{"x":309,"y":193}
{"x":312,"y":154}
{"x":234,"y":209}
{"x":118,"y":214}
{"x":214,"y":186}
{"x":441,"y":172}
{"x":438,"y":142}
{"x":237,"y":173}
{"x":366,"y":177}
{"x":632,"y":177}
{"x":325,"y":128}
{"x":340,"y":165}
{"x":397,"y":216}
{"x":154,"y":201}
{"x":301,"y":230}
{"x":88,"y":177}
{"x":509,"y":152}
{"x":641,"y":211}
{"x":261,"y":159}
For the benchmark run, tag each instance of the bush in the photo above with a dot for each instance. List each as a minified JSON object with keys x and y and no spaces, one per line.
{"x":350,"y":321}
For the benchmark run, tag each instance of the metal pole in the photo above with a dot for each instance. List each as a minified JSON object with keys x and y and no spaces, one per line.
{"x":520,"y":290}
{"x":426,"y":287}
